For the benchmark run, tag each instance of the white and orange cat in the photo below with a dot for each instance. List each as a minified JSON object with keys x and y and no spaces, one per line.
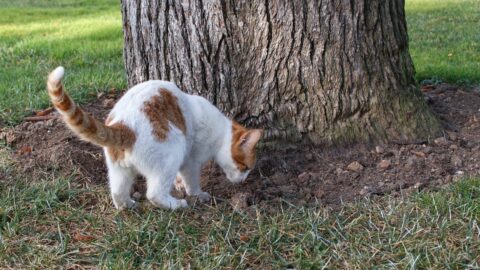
{"x":158,"y":131}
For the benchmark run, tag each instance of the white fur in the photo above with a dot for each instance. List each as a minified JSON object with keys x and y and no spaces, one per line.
{"x":57,"y":74}
{"x":208,"y":136}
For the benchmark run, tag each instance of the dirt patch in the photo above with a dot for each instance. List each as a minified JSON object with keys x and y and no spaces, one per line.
{"x":301,"y":175}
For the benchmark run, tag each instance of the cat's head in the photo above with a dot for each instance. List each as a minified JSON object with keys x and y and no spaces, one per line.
{"x":240,"y":155}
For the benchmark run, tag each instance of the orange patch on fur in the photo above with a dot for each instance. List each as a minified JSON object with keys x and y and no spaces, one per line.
{"x":245,"y":159}
{"x":127,"y":141}
{"x":90,"y":126}
{"x":77,"y":117}
{"x":64,"y":104}
{"x":56,"y":91}
{"x":161,"y":110}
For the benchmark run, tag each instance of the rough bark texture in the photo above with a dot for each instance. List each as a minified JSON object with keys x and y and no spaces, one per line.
{"x":323,"y":70}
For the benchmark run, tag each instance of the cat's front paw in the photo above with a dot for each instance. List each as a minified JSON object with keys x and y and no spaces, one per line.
{"x":204,"y":196}
{"x":126,"y":204}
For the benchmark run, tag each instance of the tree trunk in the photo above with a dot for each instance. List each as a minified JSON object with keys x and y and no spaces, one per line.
{"x":323,"y":70}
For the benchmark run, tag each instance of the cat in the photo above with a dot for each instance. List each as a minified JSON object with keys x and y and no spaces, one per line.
{"x":158,"y":131}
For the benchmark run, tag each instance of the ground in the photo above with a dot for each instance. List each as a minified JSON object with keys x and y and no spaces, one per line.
{"x":300,"y":175}
{"x":303,"y":207}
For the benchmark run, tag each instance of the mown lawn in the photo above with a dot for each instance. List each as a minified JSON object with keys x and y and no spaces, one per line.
{"x":445,"y":40}
{"x":36,"y":36}
{"x":57,"y":222}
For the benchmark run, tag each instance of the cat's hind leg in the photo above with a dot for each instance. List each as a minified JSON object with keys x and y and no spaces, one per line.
{"x":159,"y":187}
{"x":121,"y":181}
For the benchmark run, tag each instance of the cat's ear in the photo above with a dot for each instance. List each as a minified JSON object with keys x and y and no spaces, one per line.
{"x":251,"y":138}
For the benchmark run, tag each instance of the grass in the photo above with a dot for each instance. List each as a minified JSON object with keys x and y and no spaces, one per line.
{"x":445,"y":40}
{"x":52,"y":222}
{"x":37,"y":36}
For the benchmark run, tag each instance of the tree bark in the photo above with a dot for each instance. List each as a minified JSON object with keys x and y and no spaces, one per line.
{"x":322,"y":70}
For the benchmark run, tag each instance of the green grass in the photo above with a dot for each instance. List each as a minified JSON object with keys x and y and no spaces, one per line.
{"x":83,"y":36}
{"x":39,"y":222}
{"x":445,"y":39}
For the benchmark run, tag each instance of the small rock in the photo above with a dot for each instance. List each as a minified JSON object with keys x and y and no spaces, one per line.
{"x":239,"y":201}
{"x":137,"y":195}
{"x":355,"y":166}
{"x":458,"y":176}
{"x":50,"y":123}
{"x":379,"y":150}
{"x":108,"y":103}
{"x":453,"y":147}
{"x":452,"y":136}
{"x":441,"y":141}
{"x":456,"y":161}
{"x":309,"y":156}
{"x":339,"y":171}
{"x":384,"y":164}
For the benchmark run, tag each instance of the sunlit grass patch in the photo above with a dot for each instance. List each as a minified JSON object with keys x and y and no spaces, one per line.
{"x":86,"y":39}
{"x":445,"y":40}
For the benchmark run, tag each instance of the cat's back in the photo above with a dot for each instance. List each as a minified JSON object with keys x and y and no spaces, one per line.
{"x":139,"y":101}
{"x":142,"y":92}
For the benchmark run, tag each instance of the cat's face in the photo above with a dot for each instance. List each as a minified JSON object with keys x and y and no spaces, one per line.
{"x":242,"y":152}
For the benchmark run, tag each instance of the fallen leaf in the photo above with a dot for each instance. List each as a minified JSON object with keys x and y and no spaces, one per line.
{"x":83,"y":237}
{"x":418,"y":153}
{"x":244,"y":238}
{"x":44,"y":112}
{"x":24,"y":150}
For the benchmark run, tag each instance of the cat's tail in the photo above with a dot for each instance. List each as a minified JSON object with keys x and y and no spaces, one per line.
{"x":83,"y":124}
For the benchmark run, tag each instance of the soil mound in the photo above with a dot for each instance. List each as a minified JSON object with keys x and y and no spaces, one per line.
{"x":300,"y":175}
